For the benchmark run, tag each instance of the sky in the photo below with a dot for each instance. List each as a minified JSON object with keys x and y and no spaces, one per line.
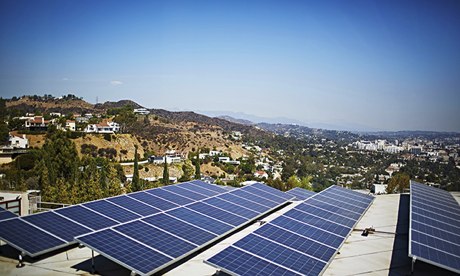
{"x":383,"y":65}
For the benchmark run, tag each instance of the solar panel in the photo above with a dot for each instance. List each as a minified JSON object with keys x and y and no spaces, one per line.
{"x":217,"y":213}
{"x":177,"y":227}
{"x":134,"y":205}
{"x":200,"y":220}
{"x":5,"y":214}
{"x":300,"y":194}
{"x":57,"y":225}
{"x":27,"y":238}
{"x":272,"y":191}
{"x":196,"y":224}
{"x":170,"y":196}
{"x":184,"y":192}
{"x":255,"y":198}
{"x":154,"y":201}
{"x":232,"y":208}
{"x":212,"y":187}
{"x":111,"y":210}
{"x":86,"y":217}
{"x":199,"y":189}
{"x":434,"y":227}
{"x":251,"y":205}
{"x":156,"y":238}
{"x":133,"y":254}
{"x":66,"y":223}
{"x":302,"y":240}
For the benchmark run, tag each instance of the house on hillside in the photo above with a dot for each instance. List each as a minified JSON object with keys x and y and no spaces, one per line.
{"x":261,"y":174}
{"x":103,"y":127}
{"x":70,"y":125}
{"x":37,"y":123}
{"x":141,"y":111}
{"x":18,"y":141}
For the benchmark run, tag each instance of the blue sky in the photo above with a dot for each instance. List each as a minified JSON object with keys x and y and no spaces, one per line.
{"x":389,"y":65}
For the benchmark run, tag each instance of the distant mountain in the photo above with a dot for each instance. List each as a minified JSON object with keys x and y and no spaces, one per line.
{"x":237,"y":121}
{"x":344,"y":126}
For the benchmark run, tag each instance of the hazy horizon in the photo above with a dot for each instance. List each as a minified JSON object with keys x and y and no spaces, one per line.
{"x":388,"y":65}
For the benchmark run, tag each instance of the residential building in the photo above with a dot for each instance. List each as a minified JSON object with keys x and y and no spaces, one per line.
{"x":103,"y":127}
{"x":18,"y":141}
{"x":141,"y":111}
{"x":37,"y":123}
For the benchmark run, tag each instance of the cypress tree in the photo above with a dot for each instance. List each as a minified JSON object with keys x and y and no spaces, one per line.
{"x":136,"y":185}
{"x":197,"y":168}
{"x":165,"y":173}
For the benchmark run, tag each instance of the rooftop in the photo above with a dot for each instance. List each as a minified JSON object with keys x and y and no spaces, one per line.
{"x":384,"y":252}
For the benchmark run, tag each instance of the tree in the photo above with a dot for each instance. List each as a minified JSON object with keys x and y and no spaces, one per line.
{"x":398,"y":183}
{"x":136,"y":184}
{"x":113,"y":182}
{"x":165,"y":180}
{"x":187,"y":168}
{"x":197,"y":167}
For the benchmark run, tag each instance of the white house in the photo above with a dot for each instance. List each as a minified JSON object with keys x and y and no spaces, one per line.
{"x":224,"y":159}
{"x":19,"y":142}
{"x":103,"y":127}
{"x":142,"y":111}
{"x":70,"y":125}
{"x":214,"y":153}
{"x":37,"y":123}
{"x":261,"y":174}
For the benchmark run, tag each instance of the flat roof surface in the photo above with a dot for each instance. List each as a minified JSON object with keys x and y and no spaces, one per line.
{"x":384,"y":252}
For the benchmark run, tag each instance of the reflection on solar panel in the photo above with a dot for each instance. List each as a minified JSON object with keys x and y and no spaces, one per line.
{"x":434,"y":235}
{"x":55,"y":229}
{"x":300,"y":194}
{"x":300,"y":242}
{"x":181,"y":231}
{"x":5,"y":214}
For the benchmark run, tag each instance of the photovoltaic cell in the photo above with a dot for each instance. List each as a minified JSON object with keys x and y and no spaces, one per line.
{"x":280,"y":255}
{"x":178,"y":228}
{"x":211,"y":187}
{"x":243,"y":202}
{"x":200,"y":220}
{"x":270,"y":196}
{"x":66,"y":223}
{"x":111,"y":210}
{"x":232,"y":208}
{"x":219,"y":214}
{"x":25,"y":237}
{"x":238,"y":262}
{"x":158,"y":239}
{"x":300,"y":194}
{"x":302,"y":240}
{"x":134,"y":255}
{"x":255,"y":198}
{"x":133,"y":205}
{"x":153,"y":201}
{"x":271,"y":190}
{"x":182,"y":230}
{"x":434,"y":227}
{"x":184,"y":192}
{"x":177,"y":199}
{"x":86,"y":217}
{"x":57,"y":225}
{"x":296,"y":241}
{"x":6,"y":214}
{"x":198,"y":189}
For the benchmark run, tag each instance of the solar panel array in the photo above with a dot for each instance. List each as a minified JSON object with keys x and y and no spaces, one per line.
{"x":5,"y":214}
{"x":300,"y":194}
{"x":44,"y":232}
{"x":150,"y":244}
{"x":434,"y":235}
{"x":300,"y":242}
